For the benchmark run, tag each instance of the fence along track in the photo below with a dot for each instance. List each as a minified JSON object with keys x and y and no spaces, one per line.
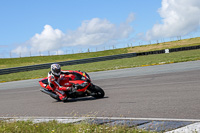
{"x":90,"y":60}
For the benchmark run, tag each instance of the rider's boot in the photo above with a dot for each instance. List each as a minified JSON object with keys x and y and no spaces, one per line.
{"x":62,"y":95}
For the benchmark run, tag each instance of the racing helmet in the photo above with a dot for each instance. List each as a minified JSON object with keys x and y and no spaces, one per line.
{"x":55,"y":69}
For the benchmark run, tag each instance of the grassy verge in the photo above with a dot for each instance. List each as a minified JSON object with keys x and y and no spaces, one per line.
{"x":16,"y":62}
{"x":25,"y":61}
{"x":112,"y":64}
{"x":55,"y":127}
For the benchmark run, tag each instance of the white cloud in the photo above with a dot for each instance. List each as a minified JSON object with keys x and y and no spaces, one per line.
{"x":91,"y":32}
{"x":20,"y":49}
{"x":180,"y":17}
{"x":130,"y":18}
{"x":47,"y":40}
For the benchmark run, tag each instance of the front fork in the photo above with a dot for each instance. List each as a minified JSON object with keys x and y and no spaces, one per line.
{"x":90,"y":90}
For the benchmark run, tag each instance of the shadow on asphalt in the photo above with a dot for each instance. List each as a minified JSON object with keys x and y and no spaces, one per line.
{"x":80,"y":99}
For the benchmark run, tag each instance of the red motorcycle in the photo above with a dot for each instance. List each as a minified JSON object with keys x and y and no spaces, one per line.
{"x":80,"y":80}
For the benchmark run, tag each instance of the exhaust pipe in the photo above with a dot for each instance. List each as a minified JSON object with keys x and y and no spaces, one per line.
{"x":49,"y":93}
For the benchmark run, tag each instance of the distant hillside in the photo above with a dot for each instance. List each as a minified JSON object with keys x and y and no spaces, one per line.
{"x":24,"y":61}
{"x":166,"y":45}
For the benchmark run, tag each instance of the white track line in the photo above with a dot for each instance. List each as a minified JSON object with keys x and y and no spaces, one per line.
{"x":113,"y":118}
{"x":38,"y":120}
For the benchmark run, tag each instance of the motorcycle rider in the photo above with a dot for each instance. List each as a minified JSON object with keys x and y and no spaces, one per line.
{"x":54,"y":77}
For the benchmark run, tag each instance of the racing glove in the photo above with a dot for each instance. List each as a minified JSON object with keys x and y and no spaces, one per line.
{"x":73,"y":89}
{"x":65,"y":88}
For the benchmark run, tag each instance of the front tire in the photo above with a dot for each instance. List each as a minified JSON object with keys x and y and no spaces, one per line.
{"x":97,"y":92}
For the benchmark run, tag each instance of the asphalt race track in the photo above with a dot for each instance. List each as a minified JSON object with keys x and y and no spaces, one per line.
{"x":163,"y":91}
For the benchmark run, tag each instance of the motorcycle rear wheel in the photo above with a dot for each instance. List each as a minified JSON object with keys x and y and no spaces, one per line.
{"x":98,"y":92}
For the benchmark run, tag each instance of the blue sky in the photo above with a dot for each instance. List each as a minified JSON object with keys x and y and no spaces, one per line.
{"x":39,"y":26}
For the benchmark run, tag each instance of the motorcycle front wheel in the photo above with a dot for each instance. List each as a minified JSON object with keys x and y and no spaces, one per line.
{"x":97,"y":92}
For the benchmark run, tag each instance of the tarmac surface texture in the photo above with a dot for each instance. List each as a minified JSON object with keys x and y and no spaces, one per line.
{"x":164,"y":91}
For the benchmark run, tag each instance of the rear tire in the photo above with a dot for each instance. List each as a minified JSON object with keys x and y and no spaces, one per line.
{"x":97,"y":92}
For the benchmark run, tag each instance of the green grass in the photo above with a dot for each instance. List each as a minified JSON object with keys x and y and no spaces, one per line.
{"x":55,"y":127}
{"x":139,"y":61}
{"x":25,"y":61}
{"x":167,"y":45}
